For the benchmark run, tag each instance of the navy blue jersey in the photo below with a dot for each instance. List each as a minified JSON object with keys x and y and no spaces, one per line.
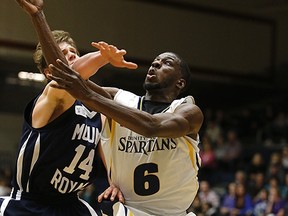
{"x":59,"y":158}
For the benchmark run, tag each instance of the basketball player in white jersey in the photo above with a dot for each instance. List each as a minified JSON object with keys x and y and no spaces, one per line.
{"x":152,"y":153}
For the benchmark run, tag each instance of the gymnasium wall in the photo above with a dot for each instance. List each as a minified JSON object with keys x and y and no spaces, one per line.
{"x":209,"y":39}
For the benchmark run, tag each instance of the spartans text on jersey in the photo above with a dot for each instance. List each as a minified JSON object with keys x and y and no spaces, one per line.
{"x":140,"y":144}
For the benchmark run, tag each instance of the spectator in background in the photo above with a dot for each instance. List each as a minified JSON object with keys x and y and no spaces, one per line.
{"x":273,"y":182}
{"x":256,"y":165}
{"x":209,"y":210}
{"x":208,"y":195}
{"x":228,"y":201}
{"x":213,"y":131}
{"x":233,"y":150}
{"x":276,"y":158}
{"x":240,"y":177}
{"x":196,"y":206}
{"x":284,"y":190}
{"x":275,"y":168}
{"x":260,"y":203}
{"x":208,"y":160}
{"x":275,"y":205}
{"x":243,"y":202}
{"x":256,"y":185}
{"x":223,"y":174}
{"x":220,"y":150}
{"x":285,"y":158}
{"x":237,"y":202}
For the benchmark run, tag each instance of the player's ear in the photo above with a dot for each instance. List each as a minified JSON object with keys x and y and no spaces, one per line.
{"x":181,"y":83}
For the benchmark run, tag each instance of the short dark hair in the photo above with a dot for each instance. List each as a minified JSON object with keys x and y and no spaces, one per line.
{"x":185,"y":72}
{"x":60,"y":36}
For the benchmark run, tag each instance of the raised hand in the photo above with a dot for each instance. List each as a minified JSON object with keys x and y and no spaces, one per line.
{"x":31,"y":6}
{"x":67,"y":79}
{"x":114,"y":55}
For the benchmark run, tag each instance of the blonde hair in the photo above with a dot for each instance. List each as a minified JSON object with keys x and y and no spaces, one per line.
{"x":60,"y":36}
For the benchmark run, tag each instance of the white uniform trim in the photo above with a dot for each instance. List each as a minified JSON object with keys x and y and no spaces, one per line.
{"x":4,"y":204}
{"x":20,"y":163}
{"x":34,"y":158}
{"x":91,"y":210}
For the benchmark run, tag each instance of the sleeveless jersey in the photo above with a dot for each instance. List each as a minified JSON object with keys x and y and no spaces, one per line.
{"x":59,"y":158}
{"x":156,"y":175}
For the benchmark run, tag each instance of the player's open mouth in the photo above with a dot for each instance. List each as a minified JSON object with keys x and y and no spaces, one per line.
{"x":150,"y":76}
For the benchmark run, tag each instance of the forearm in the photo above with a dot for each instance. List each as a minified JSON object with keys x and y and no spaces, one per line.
{"x":88,"y":64}
{"x":98,"y":89}
{"x":133,"y":119}
{"x":158,"y":125}
{"x":51,"y":50}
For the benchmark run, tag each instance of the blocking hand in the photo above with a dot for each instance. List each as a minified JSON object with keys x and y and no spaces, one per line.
{"x":31,"y":6}
{"x":114,"y":55}
{"x":68,"y":79}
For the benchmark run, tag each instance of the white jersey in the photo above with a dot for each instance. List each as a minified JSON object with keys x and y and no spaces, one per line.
{"x":156,"y":175}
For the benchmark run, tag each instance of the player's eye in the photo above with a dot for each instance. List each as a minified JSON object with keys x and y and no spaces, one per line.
{"x":168,"y":62}
{"x":73,"y":51}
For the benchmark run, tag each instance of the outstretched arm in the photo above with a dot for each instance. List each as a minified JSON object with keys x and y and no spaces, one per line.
{"x":114,"y":55}
{"x":187,"y":120}
{"x":50,"y":48}
{"x":89,"y":63}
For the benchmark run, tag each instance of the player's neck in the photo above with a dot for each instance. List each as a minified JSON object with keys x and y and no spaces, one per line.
{"x":159,"y":97}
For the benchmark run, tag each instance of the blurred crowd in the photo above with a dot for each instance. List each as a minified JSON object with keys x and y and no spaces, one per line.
{"x":244,"y":167}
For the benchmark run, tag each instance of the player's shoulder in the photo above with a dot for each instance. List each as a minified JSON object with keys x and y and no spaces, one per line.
{"x":111,"y":90}
{"x":185,"y":101}
{"x":127,"y":98}
{"x":189,"y":99}
{"x":187,"y":105}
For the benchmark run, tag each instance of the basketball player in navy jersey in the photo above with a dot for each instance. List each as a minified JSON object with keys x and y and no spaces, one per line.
{"x":152,"y":153}
{"x":57,"y":153}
